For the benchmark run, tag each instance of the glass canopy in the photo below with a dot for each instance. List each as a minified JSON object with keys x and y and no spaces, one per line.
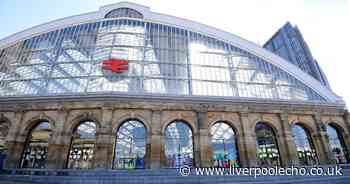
{"x":161,"y":60}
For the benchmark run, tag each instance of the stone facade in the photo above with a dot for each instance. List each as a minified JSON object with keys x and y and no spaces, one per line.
{"x":156,"y":114}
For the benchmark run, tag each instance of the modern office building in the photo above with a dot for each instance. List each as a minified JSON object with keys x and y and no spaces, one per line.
{"x":289,"y":43}
{"x":125,"y":87}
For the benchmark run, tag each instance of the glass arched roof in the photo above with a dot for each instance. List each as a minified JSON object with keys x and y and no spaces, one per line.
{"x":161,"y":60}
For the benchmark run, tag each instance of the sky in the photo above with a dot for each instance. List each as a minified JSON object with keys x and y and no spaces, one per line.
{"x":325,"y":24}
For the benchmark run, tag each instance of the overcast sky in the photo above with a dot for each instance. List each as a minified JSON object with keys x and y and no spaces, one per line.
{"x":325,"y":24}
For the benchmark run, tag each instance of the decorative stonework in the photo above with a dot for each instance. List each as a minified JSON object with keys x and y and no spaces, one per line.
{"x":109,"y":116}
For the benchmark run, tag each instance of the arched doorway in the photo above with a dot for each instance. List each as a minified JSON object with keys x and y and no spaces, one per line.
{"x":223,"y":142}
{"x":305,"y":147}
{"x":36,"y":146}
{"x":130,"y":146}
{"x":267,"y":148}
{"x":337,"y":144}
{"x":82,"y":149}
{"x":178,"y":144}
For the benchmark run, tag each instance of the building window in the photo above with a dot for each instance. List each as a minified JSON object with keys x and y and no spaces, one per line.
{"x":337,"y":144}
{"x":305,"y":147}
{"x":81,"y":153}
{"x":35,"y":152}
{"x":267,"y":148}
{"x":223,"y":141}
{"x":124,"y":12}
{"x":178,"y":145}
{"x":130,"y":149}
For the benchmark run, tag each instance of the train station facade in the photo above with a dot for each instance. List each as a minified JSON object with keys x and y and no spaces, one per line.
{"x":125,"y":87}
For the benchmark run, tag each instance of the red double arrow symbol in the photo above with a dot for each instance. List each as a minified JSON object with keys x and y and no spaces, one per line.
{"x":115,"y":65}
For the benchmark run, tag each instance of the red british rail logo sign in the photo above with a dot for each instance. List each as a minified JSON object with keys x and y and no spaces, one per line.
{"x":115,"y":65}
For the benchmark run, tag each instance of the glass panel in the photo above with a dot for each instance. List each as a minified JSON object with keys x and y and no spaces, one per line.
{"x":223,"y":141}
{"x":305,"y":148}
{"x":178,"y":145}
{"x":130,"y":149}
{"x":35,"y":152}
{"x":267,"y":148}
{"x":81,"y":153}
{"x":337,"y":144}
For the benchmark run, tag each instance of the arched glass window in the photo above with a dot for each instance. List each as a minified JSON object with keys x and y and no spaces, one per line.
{"x":178,"y":144}
{"x":124,"y":12}
{"x":81,"y":153}
{"x":267,"y":149}
{"x":35,"y":152}
{"x":130,"y":149}
{"x":305,"y":147}
{"x":223,"y":141}
{"x":4,"y":128}
{"x":337,"y":144}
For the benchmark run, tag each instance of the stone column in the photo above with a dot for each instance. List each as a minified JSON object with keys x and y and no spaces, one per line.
{"x":282,"y":149}
{"x":203,"y":142}
{"x":157,"y":156}
{"x":196,"y":150}
{"x":250,"y":159}
{"x":104,"y":141}
{"x":347,"y":147}
{"x":347,"y":136}
{"x":243,"y":160}
{"x":14,"y":154}
{"x":58,"y":143}
{"x":291,"y":157}
{"x":322,"y":142}
{"x":14,"y":142}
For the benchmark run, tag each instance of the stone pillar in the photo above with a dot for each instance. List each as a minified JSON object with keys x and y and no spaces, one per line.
{"x":58,"y":143}
{"x":347,"y":136}
{"x":250,"y":159}
{"x":14,"y":154}
{"x":157,"y":157}
{"x":104,"y":141}
{"x":14,"y":142}
{"x":203,"y":142}
{"x":196,"y":150}
{"x":282,"y":148}
{"x":57,"y":156}
{"x":287,"y":140}
{"x":322,"y":142}
{"x":243,"y":160}
{"x":347,"y":146}
{"x":148,"y":152}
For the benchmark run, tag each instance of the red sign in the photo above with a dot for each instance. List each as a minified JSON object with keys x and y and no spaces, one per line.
{"x":115,"y":65}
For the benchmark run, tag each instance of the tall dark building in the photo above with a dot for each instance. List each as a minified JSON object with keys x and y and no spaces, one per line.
{"x":289,"y":43}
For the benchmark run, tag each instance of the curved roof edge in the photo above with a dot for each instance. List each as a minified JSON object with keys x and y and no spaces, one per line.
{"x":181,"y":23}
